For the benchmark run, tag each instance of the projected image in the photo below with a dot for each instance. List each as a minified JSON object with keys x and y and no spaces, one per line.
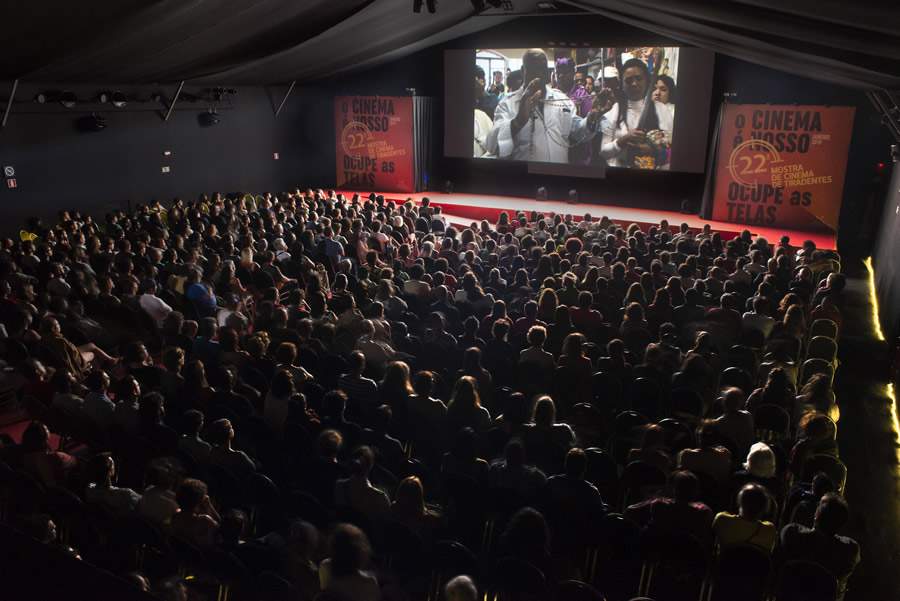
{"x":581,"y":106}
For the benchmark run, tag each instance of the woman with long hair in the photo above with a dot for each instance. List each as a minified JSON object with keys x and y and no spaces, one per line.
{"x":344,"y":572}
{"x":465,"y":407}
{"x":409,"y":508}
{"x":395,"y":390}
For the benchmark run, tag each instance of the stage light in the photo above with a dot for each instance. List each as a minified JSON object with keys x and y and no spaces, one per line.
{"x":103,"y":97}
{"x":118,"y":99}
{"x":40,"y":97}
{"x":92,"y":122}
{"x":208,"y":119}
{"x":68,"y":99}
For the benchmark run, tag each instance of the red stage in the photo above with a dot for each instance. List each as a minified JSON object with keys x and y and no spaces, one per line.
{"x":463,"y":209}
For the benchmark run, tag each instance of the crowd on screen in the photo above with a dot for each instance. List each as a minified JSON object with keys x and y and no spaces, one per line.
{"x":332,"y":396}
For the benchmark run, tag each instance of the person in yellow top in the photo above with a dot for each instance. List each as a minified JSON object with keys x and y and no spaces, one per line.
{"x":747,"y":527}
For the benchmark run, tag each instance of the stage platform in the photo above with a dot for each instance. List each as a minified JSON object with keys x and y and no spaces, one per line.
{"x":463,"y":209}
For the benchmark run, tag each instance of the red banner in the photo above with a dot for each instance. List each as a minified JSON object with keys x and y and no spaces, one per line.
{"x":782,"y":165}
{"x":374,"y":143}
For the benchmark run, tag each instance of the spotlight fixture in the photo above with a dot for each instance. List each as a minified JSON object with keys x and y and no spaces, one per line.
{"x":68,"y":99}
{"x":118,"y":99}
{"x":208,"y":119}
{"x":103,"y":97}
{"x":40,"y":98}
{"x":92,"y":122}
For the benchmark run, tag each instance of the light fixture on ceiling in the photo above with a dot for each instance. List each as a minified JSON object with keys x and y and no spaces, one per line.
{"x":118,"y":99}
{"x":208,"y":118}
{"x":68,"y":99}
{"x":91,"y":123}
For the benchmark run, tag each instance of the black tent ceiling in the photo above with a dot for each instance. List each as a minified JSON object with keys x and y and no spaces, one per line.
{"x":272,"y":41}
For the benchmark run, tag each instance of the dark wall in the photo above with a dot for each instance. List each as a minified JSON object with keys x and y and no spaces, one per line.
{"x":886,"y":252}
{"x":58,"y":166}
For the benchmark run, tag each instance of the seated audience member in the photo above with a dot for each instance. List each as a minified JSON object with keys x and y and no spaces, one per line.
{"x":709,"y":458}
{"x":527,"y":537}
{"x":462,"y":460}
{"x":234,"y":461}
{"x":198,"y":521}
{"x":158,"y":504}
{"x":51,"y":468}
{"x":321,"y":472}
{"x":460,"y":588}
{"x":822,"y":544}
{"x":344,"y":571}
{"x":735,"y":423}
{"x":464,"y":409}
{"x":570,"y":500}
{"x":300,"y":565}
{"x":513,"y":474}
{"x":409,"y":509}
{"x":748,"y":527}
{"x":760,"y":467}
{"x":653,"y":449}
{"x":803,"y":500}
{"x":98,"y":407}
{"x":190,"y":442}
{"x":101,"y":491}
{"x":362,"y":392}
{"x":357,"y":491}
{"x":683,"y":512}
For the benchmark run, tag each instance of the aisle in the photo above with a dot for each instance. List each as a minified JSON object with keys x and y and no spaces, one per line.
{"x":868,"y":440}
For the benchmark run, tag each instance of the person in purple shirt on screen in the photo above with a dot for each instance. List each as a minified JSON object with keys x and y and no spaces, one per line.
{"x":569,"y":84}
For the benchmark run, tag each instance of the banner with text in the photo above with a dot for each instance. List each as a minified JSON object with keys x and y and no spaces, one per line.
{"x":782,"y":165}
{"x":374,"y":143}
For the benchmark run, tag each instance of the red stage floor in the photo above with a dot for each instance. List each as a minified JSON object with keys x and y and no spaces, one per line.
{"x":464,"y":208}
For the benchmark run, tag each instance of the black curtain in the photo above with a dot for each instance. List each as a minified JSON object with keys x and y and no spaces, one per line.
{"x":850,"y":44}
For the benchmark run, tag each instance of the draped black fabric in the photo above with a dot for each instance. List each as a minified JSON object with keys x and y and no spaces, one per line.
{"x":854,"y":44}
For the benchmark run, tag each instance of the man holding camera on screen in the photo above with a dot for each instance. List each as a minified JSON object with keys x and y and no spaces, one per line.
{"x":540,"y":123}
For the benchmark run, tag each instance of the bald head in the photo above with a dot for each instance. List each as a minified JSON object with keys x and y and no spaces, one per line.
{"x":534,"y":64}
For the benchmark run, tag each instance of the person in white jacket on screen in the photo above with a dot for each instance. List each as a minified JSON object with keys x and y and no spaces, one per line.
{"x":540,"y":123}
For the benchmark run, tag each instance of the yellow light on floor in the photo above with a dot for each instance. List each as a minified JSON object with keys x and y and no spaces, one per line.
{"x":873,"y":298}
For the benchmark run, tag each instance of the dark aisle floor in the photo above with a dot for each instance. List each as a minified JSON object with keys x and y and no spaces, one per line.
{"x":868,"y":439}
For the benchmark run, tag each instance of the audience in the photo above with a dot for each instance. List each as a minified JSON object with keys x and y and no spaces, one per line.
{"x":369,"y":362}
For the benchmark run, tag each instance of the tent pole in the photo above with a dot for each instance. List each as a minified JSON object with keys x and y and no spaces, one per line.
{"x":9,"y":103}
{"x":283,"y":100}
{"x":174,"y":100}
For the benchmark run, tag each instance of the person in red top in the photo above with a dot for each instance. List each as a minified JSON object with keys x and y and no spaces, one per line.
{"x":586,"y":320}
{"x":51,"y":468}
